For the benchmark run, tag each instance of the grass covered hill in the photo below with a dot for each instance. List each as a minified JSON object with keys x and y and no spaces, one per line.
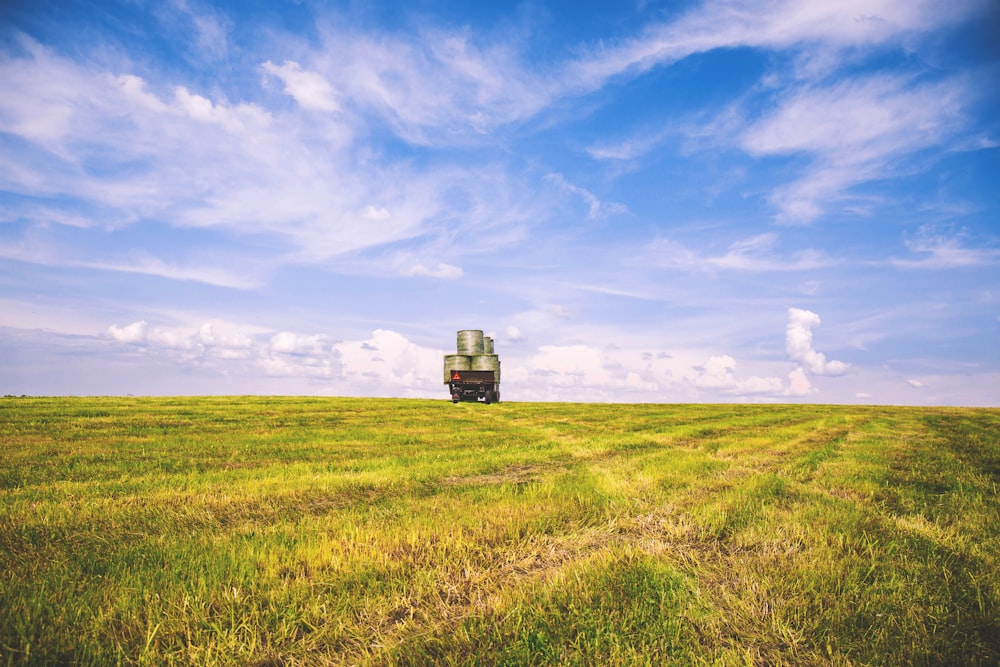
{"x":302,"y":531}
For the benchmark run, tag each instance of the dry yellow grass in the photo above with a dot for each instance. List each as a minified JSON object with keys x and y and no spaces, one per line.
{"x":300,"y":531}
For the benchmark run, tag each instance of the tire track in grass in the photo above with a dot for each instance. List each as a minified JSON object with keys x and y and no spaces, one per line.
{"x":685,"y":547}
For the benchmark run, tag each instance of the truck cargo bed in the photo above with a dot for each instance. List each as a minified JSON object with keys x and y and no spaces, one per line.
{"x":473,"y":377}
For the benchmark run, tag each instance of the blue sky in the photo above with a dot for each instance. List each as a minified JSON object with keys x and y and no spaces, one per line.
{"x":641,"y":201}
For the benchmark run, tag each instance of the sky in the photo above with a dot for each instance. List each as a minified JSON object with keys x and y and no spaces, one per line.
{"x":641,"y":201}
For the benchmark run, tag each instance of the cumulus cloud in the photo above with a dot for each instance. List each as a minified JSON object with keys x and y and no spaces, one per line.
{"x":799,"y":344}
{"x":236,"y":118}
{"x":386,"y":363}
{"x":580,"y":371}
{"x":390,"y":361}
{"x":798,"y":384}
{"x":134,"y":333}
{"x":719,"y":373}
{"x":223,"y":340}
{"x":286,"y":342}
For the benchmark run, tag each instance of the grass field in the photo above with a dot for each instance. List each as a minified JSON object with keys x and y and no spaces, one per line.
{"x":300,"y":531}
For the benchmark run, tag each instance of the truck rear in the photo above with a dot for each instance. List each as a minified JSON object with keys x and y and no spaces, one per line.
{"x":473,"y":374}
{"x":474,"y":386}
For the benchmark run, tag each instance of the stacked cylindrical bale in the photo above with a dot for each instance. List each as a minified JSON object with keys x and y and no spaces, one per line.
{"x":470,"y":342}
{"x":456,"y":362}
{"x":487,"y":362}
{"x":475,"y":353}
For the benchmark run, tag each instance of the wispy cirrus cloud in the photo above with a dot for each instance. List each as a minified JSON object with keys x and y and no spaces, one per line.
{"x":596,"y":208}
{"x":753,"y":254}
{"x":195,"y":160}
{"x":433,"y":86}
{"x":935,"y":250}
{"x":770,"y":25}
{"x":852,"y":131}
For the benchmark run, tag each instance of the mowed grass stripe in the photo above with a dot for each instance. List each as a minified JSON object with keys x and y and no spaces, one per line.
{"x":251,"y":530}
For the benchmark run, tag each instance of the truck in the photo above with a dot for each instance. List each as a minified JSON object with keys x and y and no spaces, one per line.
{"x":474,"y":386}
{"x":474,"y":373}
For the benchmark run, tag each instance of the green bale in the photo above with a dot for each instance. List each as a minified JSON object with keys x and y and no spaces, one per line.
{"x":487,"y":362}
{"x":456,"y":362}
{"x":470,"y":342}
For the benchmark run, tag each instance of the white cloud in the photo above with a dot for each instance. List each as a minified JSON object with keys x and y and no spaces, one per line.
{"x":799,"y":344}
{"x":439,"y":270}
{"x":774,"y":25}
{"x":938,"y":251}
{"x":131,"y":333}
{"x":798,"y":384}
{"x":173,"y":339}
{"x":152,"y":266}
{"x":596,"y":209}
{"x":192,"y":159}
{"x":286,"y":342}
{"x":206,"y":29}
{"x":387,"y":363}
{"x":134,"y":89}
{"x":309,"y":89}
{"x":627,"y":149}
{"x":432,"y":85}
{"x":586,"y":372}
{"x":391,"y":363}
{"x":853,"y":131}
{"x":226,"y":341}
{"x":756,"y":254}
{"x":333,"y":190}
{"x":293,"y":176}
{"x":719,"y":373}
{"x":213,"y":35}
{"x":375,"y":213}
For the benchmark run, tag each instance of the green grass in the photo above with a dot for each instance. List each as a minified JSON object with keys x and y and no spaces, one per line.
{"x":300,"y":531}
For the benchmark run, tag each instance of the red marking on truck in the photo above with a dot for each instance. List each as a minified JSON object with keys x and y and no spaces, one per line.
{"x":456,"y":376}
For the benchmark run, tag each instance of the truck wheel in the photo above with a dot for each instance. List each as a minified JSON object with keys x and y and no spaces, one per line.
{"x":489,"y":396}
